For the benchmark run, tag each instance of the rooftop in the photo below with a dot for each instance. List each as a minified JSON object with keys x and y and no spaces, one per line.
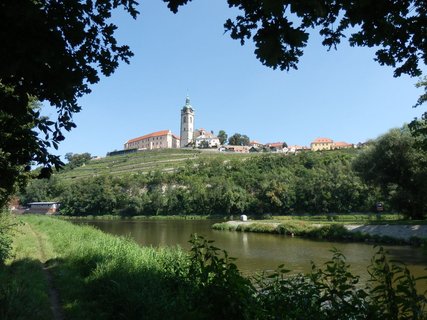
{"x":323,"y":140}
{"x":150,"y":135}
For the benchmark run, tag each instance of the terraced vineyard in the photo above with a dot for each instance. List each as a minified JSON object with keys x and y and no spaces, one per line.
{"x":143,"y":162}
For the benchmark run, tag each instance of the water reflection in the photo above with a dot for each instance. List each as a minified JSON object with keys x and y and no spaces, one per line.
{"x":257,"y":252}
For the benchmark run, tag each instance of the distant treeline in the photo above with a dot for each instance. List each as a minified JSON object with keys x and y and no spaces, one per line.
{"x":309,"y":182}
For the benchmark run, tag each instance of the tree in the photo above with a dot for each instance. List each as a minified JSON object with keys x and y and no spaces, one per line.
{"x":76,"y":160}
{"x":281,"y":29}
{"x":400,"y":169}
{"x":238,"y":140}
{"x":222,"y":136}
{"x":52,"y":52}
{"x":419,"y":126}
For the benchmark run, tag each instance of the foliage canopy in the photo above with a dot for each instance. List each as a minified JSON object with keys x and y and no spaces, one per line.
{"x":51,"y":51}
{"x":398,"y":167}
{"x":280,"y":29}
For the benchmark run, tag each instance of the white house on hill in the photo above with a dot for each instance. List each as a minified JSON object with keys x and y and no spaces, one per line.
{"x":206,"y":139}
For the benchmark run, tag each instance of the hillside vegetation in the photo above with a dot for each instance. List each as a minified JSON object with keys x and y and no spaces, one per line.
{"x":208,"y":183}
{"x":392,"y":170}
{"x":165,"y":160}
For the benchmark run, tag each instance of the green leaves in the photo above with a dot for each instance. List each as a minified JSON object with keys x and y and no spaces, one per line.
{"x":280,"y":29}
{"x":393,"y":289}
{"x":398,"y":168}
{"x":52,"y":51}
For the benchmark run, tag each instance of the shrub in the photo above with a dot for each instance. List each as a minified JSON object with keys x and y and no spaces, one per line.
{"x":6,"y":226}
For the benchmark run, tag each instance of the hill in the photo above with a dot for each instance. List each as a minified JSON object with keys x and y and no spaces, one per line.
{"x":165,"y":160}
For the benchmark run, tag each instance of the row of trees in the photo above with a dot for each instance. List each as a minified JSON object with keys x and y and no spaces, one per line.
{"x":236,"y":139}
{"x":391,"y":170}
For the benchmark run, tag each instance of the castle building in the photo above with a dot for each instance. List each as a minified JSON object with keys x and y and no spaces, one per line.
{"x":164,"y":139}
{"x":322,"y":144}
{"x":329,"y":144}
{"x":187,"y":124}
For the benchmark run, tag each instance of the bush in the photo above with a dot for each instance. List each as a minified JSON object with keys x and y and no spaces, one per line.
{"x":6,"y":225}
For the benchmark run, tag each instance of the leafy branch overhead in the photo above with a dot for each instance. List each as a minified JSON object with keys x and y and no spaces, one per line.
{"x":280,"y":29}
{"x":51,"y":51}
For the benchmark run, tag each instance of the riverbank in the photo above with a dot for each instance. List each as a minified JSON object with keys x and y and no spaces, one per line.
{"x":137,"y":218}
{"x":381,"y":233}
{"x":99,"y":276}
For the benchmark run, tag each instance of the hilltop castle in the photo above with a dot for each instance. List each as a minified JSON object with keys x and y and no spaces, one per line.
{"x":165,"y":139}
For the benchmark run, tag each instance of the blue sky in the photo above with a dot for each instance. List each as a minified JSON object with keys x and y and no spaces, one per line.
{"x":343,"y":94}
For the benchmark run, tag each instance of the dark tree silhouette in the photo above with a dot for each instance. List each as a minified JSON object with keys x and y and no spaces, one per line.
{"x":51,"y":51}
{"x":280,"y":29}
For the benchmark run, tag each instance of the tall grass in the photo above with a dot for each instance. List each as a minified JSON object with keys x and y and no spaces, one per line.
{"x":23,"y":286}
{"x":100,"y":276}
{"x":106,"y":277}
{"x":305,"y":229}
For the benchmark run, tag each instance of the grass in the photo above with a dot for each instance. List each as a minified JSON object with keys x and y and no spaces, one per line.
{"x":23,"y":286}
{"x":342,"y":218}
{"x":143,"y":162}
{"x":99,"y":275}
{"x":305,"y":229}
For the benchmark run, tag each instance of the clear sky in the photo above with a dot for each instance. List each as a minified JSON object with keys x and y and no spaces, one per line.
{"x":343,"y":94}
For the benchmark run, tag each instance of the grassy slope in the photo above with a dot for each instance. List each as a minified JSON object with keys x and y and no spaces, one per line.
{"x":144,"y":162}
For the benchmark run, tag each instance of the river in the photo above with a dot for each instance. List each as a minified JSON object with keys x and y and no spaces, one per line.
{"x":257,"y":252}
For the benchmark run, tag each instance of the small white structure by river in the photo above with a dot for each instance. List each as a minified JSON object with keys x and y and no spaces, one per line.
{"x":43,"y":207}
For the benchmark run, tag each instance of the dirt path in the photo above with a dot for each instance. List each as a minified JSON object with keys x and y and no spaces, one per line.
{"x":55,"y":304}
{"x":394,"y":231}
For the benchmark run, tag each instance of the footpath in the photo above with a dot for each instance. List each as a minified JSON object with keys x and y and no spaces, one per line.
{"x":395,"y":231}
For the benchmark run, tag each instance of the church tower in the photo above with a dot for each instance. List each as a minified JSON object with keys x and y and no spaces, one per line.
{"x":187,"y":124}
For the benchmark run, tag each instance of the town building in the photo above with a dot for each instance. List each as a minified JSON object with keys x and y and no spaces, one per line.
{"x":205,"y":139}
{"x":343,"y":145}
{"x":322,"y":144}
{"x":164,"y":139}
{"x":297,"y":149}
{"x":256,"y":144}
{"x":236,"y":149}
{"x":187,"y":124}
{"x":277,"y":146}
{"x":329,"y":144}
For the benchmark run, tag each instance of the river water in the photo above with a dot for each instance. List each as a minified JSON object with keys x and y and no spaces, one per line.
{"x":257,"y":252}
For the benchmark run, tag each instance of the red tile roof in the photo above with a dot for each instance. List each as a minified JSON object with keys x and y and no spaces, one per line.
{"x":150,"y":135}
{"x":342,"y":144}
{"x":275,"y":144}
{"x":323,"y":140}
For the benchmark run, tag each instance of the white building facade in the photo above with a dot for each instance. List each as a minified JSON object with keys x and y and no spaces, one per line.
{"x":187,"y":124}
{"x":205,"y":139}
{"x":164,"y":139}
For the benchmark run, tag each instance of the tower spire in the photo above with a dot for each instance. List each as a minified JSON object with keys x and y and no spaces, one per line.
{"x":187,"y":124}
